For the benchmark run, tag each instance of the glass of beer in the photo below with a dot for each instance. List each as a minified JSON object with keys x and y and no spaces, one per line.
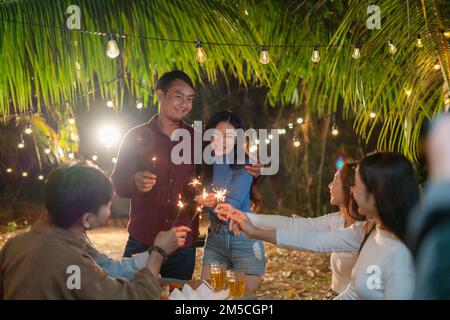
{"x":236,"y":282}
{"x":217,"y":275}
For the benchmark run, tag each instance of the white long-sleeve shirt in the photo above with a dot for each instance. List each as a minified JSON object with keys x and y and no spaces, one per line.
{"x":341,"y":262}
{"x":384,"y":268}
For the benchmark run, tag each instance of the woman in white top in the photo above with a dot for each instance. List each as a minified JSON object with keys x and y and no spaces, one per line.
{"x":386,"y":188}
{"x":341,"y":262}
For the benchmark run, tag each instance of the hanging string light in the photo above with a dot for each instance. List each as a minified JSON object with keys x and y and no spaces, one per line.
{"x":392,"y":48}
{"x":372,"y":115}
{"x":24,"y":174}
{"x":21,"y":144}
{"x":112,"y":49}
{"x":139,"y":104}
{"x":71,"y":120}
{"x":300,"y":120}
{"x":28,"y":129}
{"x":110,"y":104}
{"x":47,"y":150}
{"x":315,"y":55}
{"x":9,"y":170}
{"x":334,"y":128}
{"x":71,"y":155}
{"x":201,"y":54}
{"x":114,"y":160}
{"x":437,"y":65}
{"x":290,"y":125}
{"x":296,"y":141}
{"x":41,"y":177}
{"x":419,"y":42}
{"x":94,"y":157}
{"x":356,"y":52}
{"x":264,"y":57}
{"x":447,"y":34}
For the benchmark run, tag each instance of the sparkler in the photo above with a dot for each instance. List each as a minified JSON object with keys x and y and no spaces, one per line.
{"x":180,"y":206}
{"x":154,"y":164}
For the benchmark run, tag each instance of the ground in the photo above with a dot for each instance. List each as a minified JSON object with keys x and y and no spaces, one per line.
{"x":290,"y":274}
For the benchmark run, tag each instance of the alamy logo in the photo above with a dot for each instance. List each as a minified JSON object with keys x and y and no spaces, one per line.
{"x":374,"y":20}
{"x":374,"y":280}
{"x":74,"y":280}
{"x":74,"y":20}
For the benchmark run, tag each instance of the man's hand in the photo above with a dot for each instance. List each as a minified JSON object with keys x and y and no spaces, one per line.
{"x":144,"y":180}
{"x":254,"y":169}
{"x":208,"y":202}
{"x":173,"y":239}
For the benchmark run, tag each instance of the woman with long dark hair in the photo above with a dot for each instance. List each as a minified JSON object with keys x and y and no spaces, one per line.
{"x":228,"y":172}
{"x":386,"y":189}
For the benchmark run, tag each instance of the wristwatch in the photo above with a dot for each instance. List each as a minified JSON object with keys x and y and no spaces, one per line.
{"x":160,"y":251}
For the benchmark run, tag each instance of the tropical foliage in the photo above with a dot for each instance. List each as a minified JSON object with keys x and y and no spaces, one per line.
{"x":44,"y":65}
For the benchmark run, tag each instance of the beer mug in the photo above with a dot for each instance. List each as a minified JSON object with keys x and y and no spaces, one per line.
{"x":217,"y":275}
{"x":236,"y":282}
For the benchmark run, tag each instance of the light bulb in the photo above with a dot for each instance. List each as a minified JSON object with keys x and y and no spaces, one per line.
{"x":267,"y":141}
{"x":372,"y":115}
{"x":28,"y":129}
{"x":437,"y":65}
{"x":9,"y":170}
{"x":315,"y":55}
{"x":71,"y":155}
{"x":296,"y":142}
{"x":447,"y":34}
{"x":290,"y":125}
{"x":114,"y":160}
{"x":264,"y":57}
{"x":110,"y":104}
{"x":356,"y":52}
{"x":334,"y":130}
{"x":47,"y":150}
{"x":139,"y":104}
{"x":419,"y":42}
{"x":201,"y":55}
{"x":71,"y":120}
{"x":300,"y":120}
{"x":21,"y":145}
{"x":94,"y":157}
{"x":256,"y":141}
{"x":270,"y":136}
{"x":41,"y":177}
{"x":392,"y":47}
{"x":112,"y":50}
{"x":24,"y":174}
{"x":281,"y":131}
{"x":408,"y":92}
{"x":253,"y":148}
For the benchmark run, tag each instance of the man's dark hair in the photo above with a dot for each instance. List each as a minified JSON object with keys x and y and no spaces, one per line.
{"x":74,"y":189}
{"x":167,"y":78}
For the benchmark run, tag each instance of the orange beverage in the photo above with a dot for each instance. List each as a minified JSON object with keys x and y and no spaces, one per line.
{"x":236,"y":282}
{"x":217,"y":275}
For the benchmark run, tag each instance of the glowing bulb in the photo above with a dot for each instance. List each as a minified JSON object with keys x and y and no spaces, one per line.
{"x":334,"y":130}
{"x":392,"y":47}
{"x":296,"y":142}
{"x":9,"y":170}
{"x":419,"y":42}
{"x":290,"y":125}
{"x":24,"y":174}
{"x":447,"y":34}
{"x":300,"y":120}
{"x":315,"y":55}
{"x":71,"y":121}
{"x":21,"y":145}
{"x":28,"y":129}
{"x":114,"y":160}
{"x":94,"y":157}
{"x":112,"y":50}
{"x":372,"y":115}
{"x":201,"y":55}
{"x":108,"y":135}
{"x":257,"y":141}
{"x":47,"y":150}
{"x":264,"y":57}
{"x":253,"y":148}
{"x":437,"y":65}
{"x":356,"y":52}
{"x":270,"y":136}
{"x":139,"y":104}
{"x":267,"y":141}
{"x":110,"y":104}
{"x":281,"y":131}
{"x":41,"y":177}
{"x":71,"y":155}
